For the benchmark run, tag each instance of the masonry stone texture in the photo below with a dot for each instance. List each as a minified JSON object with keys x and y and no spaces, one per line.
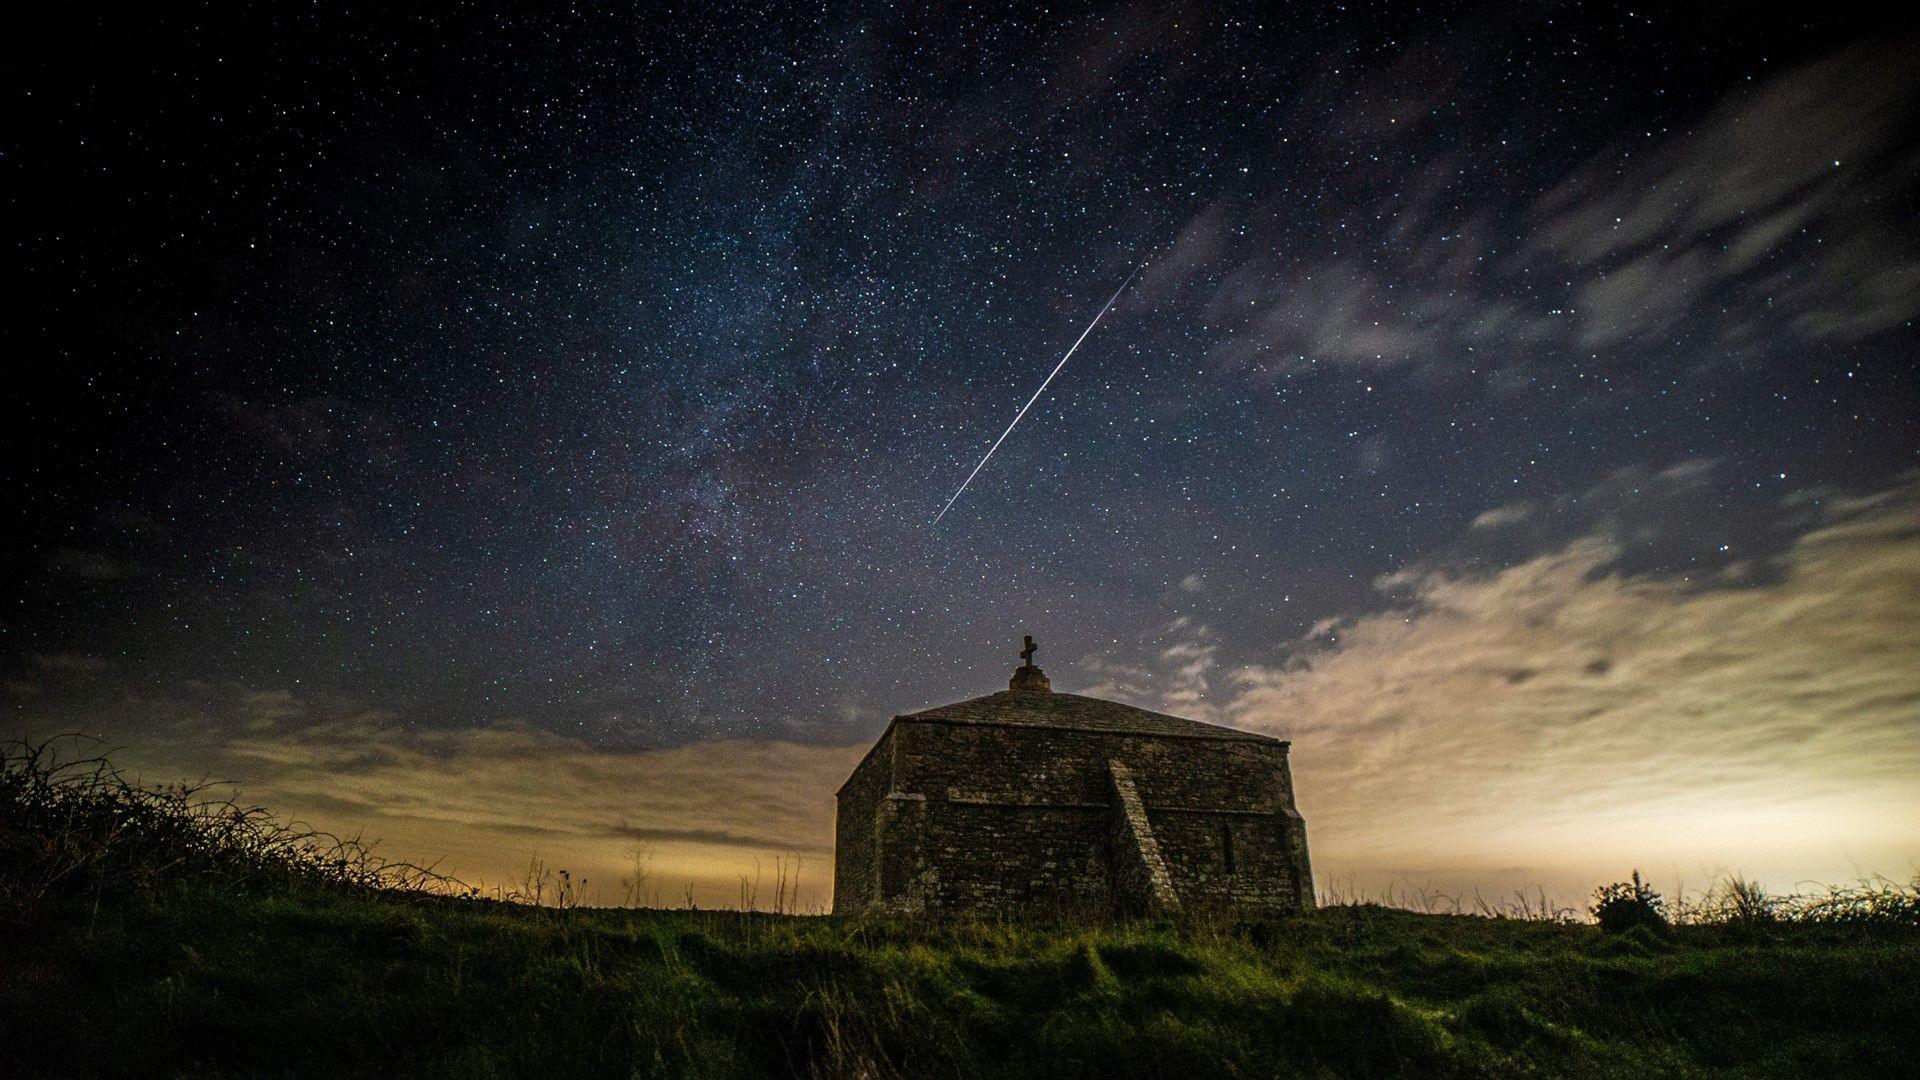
{"x":1028,"y":801}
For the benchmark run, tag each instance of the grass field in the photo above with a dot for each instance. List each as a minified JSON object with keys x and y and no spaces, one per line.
{"x":212,"y":964}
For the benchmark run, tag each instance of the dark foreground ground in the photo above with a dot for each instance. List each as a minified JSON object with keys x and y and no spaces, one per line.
{"x":212,"y":981}
{"x":161,"y":932}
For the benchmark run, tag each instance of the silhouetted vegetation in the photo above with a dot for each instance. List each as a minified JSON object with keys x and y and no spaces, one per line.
{"x":156,"y":934}
{"x":73,"y":831}
{"x":1627,"y":905}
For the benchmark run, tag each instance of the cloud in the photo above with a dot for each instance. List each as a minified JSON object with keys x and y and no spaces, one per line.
{"x":1339,"y":311}
{"x":1502,"y":516}
{"x":1810,"y":164}
{"x":1697,"y":522}
{"x":1178,"y":676}
{"x":1191,"y":663}
{"x":1781,"y":215}
{"x":480,"y":804}
{"x":1591,"y":683}
{"x":1197,"y":246}
{"x":1571,"y":720}
{"x":1760,"y":162}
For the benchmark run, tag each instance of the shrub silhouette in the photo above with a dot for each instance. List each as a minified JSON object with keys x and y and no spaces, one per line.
{"x":73,"y":829}
{"x":1624,"y":905}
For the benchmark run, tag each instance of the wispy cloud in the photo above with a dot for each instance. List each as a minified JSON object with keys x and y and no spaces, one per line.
{"x":1178,"y":674}
{"x":1562,"y":717}
{"x":1780,"y":215}
{"x":1573,"y":718}
{"x":1811,"y":163}
{"x":480,"y":804}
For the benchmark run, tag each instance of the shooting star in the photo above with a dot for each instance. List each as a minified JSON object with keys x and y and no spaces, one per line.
{"x":1036,"y":394}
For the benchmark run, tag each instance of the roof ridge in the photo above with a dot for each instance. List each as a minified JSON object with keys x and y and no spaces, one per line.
{"x":1075,"y":712}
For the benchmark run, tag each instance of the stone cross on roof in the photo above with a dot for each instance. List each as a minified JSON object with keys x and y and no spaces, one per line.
{"x":1027,"y":676}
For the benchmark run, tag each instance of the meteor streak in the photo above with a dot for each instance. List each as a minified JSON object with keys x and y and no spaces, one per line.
{"x":1036,"y":395}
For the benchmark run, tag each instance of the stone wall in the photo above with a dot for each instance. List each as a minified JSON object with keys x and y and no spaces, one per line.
{"x":1227,"y":859}
{"x":856,"y":874}
{"x":1019,"y":817}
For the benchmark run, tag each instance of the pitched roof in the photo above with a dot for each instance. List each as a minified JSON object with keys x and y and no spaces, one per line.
{"x":1074,"y":712}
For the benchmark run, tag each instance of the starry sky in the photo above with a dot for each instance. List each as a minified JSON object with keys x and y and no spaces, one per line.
{"x":518,"y":432}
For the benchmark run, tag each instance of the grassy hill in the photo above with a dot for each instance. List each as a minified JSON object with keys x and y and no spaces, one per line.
{"x":260,"y":953}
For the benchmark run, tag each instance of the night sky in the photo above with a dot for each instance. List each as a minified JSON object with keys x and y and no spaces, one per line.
{"x":520,"y":434}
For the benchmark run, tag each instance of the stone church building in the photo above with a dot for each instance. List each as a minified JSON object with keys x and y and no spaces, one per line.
{"x":1032,"y":800}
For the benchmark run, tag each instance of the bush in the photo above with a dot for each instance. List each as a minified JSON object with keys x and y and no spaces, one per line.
{"x":1868,"y":903}
{"x":73,"y":829}
{"x":1624,"y":905}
